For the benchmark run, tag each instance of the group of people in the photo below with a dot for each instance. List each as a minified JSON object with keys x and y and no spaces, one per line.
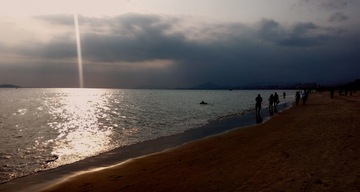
{"x":274,"y":100}
{"x":304,"y":97}
{"x":341,"y":92}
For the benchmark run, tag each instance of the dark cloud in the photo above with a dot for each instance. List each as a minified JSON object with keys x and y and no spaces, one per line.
{"x":300,"y":35}
{"x":303,"y":28}
{"x":60,"y":47}
{"x":228,"y":53}
{"x":270,"y":30}
{"x":338,"y":17}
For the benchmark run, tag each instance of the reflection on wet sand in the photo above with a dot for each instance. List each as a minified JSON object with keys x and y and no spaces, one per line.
{"x":271,"y":110}
{"x":258,"y":118}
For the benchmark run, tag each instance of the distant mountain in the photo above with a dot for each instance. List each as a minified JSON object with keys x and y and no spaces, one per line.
{"x":209,"y":85}
{"x":9,"y":86}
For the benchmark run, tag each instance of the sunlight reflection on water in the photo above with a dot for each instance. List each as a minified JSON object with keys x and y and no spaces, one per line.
{"x":81,"y":131}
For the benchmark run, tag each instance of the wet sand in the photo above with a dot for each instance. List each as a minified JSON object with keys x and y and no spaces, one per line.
{"x":315,"y":147}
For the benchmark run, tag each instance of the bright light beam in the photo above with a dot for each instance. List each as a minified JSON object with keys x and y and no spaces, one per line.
{"x":78,"y":45}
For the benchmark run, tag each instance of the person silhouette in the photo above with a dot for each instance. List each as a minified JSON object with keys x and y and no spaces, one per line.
{"x":258,"y":100}
{"x":304,"y":97}
{"x":276,"y":100}
{"x":271,"y":101}
{"x":297,"y":97}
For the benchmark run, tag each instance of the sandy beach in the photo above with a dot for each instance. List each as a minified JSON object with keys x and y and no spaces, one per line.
{"x":306,"y":148}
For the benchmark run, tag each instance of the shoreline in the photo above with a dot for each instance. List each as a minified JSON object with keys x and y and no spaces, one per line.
{"x":36,"y":181}
{"x":312,"y":147}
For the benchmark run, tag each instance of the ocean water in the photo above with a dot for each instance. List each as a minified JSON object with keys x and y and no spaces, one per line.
{"x":46,"y":128}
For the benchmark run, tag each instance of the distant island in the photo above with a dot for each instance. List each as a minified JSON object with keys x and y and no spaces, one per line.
{"x":9,"y":86}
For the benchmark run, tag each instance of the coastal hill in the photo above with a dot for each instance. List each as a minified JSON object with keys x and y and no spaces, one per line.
{"x":9,"y":86}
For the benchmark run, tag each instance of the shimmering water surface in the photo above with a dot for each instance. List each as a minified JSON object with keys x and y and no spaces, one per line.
{"x":46,"y":128}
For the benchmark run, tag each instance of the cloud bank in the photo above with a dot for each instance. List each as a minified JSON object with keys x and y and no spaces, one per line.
{"x":132,"y":49}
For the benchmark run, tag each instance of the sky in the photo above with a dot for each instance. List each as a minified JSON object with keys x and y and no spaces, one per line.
{"x":178,"y":43}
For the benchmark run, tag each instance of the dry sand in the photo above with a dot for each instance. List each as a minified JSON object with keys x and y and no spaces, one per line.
{"x":315,"y":147}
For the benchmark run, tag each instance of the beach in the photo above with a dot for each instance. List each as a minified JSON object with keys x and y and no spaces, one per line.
{"x":314,"y":147}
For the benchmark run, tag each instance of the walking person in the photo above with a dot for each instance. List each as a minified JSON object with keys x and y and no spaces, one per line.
{"x":297,"y":97}
{"x":258,"y":100}
{"x":276,"y":100}
{"x":304,"y":97}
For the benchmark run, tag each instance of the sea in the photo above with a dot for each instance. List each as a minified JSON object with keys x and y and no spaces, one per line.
{"x":42,"y":129}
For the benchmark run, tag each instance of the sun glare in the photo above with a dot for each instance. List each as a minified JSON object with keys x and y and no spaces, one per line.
{"x":82,"y":133}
